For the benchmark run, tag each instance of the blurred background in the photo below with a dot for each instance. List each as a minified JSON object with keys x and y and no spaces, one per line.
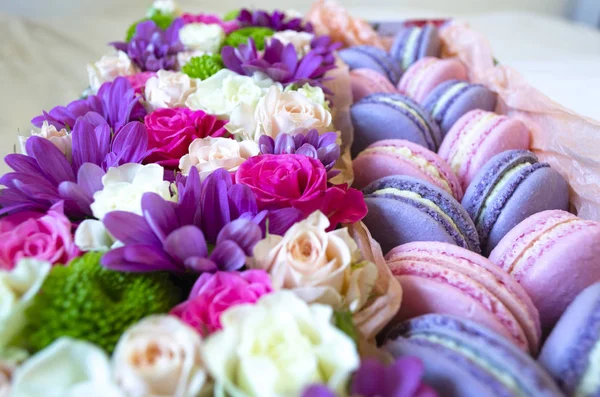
{"x":45,"y":44}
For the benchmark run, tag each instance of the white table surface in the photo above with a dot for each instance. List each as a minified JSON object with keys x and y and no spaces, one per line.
{"x":42,"y":62}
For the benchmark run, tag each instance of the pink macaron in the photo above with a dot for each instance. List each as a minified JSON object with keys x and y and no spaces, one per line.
{"x":554,"y":255}
{"x":446,"y":279}
{"x":429,"y":72}
{"x":367,"y":81}
{"x":402,"y":157}
{"x":477,"y":137}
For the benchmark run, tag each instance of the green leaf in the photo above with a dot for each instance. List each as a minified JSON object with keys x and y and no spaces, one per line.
{"x":231,"y":15}
{"x":342,"y":319}
{"x":241,"y":36}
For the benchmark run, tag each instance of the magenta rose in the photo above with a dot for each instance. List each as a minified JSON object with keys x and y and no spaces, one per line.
{"x":172,"y":130}
{"x":214,"y":293}
{"x":298,"y":181}
{"x":228,"y":26}
{"x":36,"y":235}
{"x":138,"y":81}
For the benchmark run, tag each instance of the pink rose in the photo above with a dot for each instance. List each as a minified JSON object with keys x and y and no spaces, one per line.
{"x":294,"y":180}
{"x":172,"y":130}
{"x":138,"y":81}
{"x":214,"y":293}
{"x":228,"y":26}
{"x":45,"y":237}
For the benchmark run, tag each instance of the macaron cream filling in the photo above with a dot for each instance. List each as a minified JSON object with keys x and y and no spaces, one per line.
{"x":498,"y":187}
{"x":421,"y":162}
{"x":478,"y":130}
{"x":417,"y":117}
{"x":410,"y":47}
{"x":447,"y":96}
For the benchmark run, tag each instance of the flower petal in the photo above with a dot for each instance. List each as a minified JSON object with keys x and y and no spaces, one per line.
{"x":243,"y":232}
{"x":129,"y":228}
{"x":50,"y":159}
{"x":186,"y":242}
{"x":159,"y":215}
{"x":228,"y":256}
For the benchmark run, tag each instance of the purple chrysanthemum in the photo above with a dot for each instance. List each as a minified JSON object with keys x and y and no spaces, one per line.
{"x":323,"y":148}
{"x":403,"y":378}
{"x":152,"y":48}
{"x":175,"y":236}
{"x":116,"y":102}
{"x":277,"y":20}
{"x":45,"y":176}
{"x":279,"y":62}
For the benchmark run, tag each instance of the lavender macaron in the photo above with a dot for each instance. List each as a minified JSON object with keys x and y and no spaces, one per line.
{"x":392,"y":116}
{"x":510,"y":187}
{"x":413,"y":43}
{"x":404,"y":209}
{"x":449,"y":101}
{"x":572,"y":351}
{"x":482,"y":362}
{"x":369,"y":57}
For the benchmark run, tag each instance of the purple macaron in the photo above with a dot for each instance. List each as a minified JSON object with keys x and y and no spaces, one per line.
{"x":413,"y":43}
{"x":392,"y":116}
{"x":485,"y":364}
{"x":510,"y":187}
{"x":404,"y":209}
{"x":570,"y":353}
{"x":449,"y":101}
{"x":368,"y":57}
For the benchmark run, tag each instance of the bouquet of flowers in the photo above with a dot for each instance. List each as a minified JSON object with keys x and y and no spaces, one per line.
{"x":187,"y":227}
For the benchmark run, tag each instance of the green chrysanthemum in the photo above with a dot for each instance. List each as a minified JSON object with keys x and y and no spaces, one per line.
{"x":240,"y":36}
{"x":161,"y":20}
{"x":231,"y":15}
{"x":203,"y":67}
{"x":86,"y":301}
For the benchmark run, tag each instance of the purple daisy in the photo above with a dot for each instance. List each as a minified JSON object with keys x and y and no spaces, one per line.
{"x":279,"y":62}
{"x":152,"y":48}
{"x":116,"y":102}
{"x":307,"y":142}
{"x":277,"y":20}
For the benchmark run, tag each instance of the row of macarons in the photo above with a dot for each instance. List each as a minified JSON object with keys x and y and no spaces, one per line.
{"x":464,"y":358}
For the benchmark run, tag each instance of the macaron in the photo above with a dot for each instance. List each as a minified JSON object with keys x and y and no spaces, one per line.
{"x":449,"y":101}
{"x":554,"y":255}
{"x":427,"y":73}
{"x":402,"y":157}
{"x":369,"y":57}
{"x":485,"y":364}
{"x":365,"y":82}
{"x":446,"y":279}
{"x":477,"y":137}
{"x":571,"y":353}
{"x":512,"y":186}
{"x":391,"y":116}
{"x":403,"y":209}
{"x":413,"y":43}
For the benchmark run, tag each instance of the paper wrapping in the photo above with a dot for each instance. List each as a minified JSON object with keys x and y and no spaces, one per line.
{"x":569,"y":142}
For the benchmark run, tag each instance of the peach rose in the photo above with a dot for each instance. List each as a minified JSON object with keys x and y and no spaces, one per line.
{"x":108,"y":68}
{"x":169,"y":89}
{"x":60,"y":138}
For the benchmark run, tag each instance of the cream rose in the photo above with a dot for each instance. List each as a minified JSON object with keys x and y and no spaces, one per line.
{"x":108,"y":68}
{"x":66,"y":368}
{"x":60,"y":138}
{"x":209,"y":154}
{"x":300,"y":40}
{"x":277,"y":347}
{"x":166,"y":7}
{"x":160,"y":356}
{"x":91,"y":235}
{"x":202,"y":37}
{"x":168,"y":89}
{"x":279,"y":111}
{"x":317,"y":265}
{"x":223,"y":92}
{"x":17,"y":288}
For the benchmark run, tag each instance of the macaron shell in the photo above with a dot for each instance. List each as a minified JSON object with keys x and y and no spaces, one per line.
{"x":431,"y":43}
{"x":371,"y":165}
{"x":366,"y":57}
{"x":544,"y":189}
{"x":366,"y":82}
{"x":437,"y":72}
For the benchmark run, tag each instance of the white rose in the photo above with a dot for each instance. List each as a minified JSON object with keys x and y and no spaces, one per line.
{"x":166,"y":7}
{"x":202,"y":37}
{"x":209,"y":154}
{"x":91,"y":235}
{"x":66,"y":368}
{"x":316,"y":264}
{"x":160,"y":356}
{"x":280,"y":111}
{"x":314,"y":94}
{"x":277,"y":347}
{"x":124,"y":187}
{"x":300,"y":40}
{"x":184,"y":57}
{"x":224,"y":91}
{"x":60,"y":138}
{"x":17,"y":289}
{"x":168,"y":89}
{"x":108,"y":68}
